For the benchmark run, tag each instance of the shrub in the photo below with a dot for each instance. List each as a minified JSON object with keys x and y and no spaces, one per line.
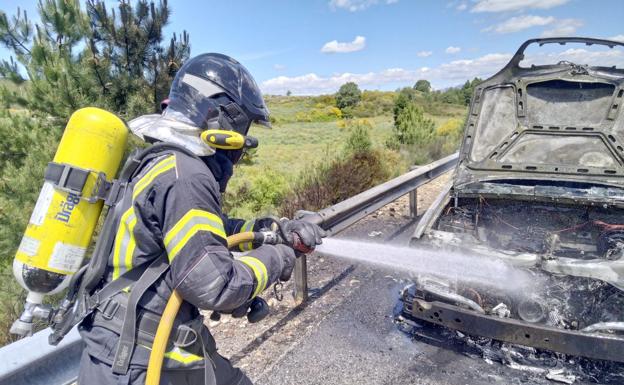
{"x":259,"y":195}
{"x":359,"y":139}
{"x":349,"y":95}
{"x":337,"y":112}
{"x":335,"y":180}
{"x":328,"y":100}
{"x":450,"y":133}
{"x":410,"y":124}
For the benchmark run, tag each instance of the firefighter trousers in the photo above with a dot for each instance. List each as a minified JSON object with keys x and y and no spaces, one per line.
{"x":96,"y":372}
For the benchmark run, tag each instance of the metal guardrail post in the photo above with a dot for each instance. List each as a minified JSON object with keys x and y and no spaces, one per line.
{"x":413,"y":198}
{"x":413,"y":203}
{"x":301,"y":280}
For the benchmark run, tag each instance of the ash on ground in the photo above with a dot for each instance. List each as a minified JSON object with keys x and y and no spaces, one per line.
{"x":557,"y":367}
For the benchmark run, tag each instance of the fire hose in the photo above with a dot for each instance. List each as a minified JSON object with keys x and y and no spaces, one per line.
{"x":154,"y":367}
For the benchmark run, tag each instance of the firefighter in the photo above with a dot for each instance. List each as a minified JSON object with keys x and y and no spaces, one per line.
{"x":172,"y":210}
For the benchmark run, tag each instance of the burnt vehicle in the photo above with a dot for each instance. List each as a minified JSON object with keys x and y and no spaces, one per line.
{"x":539,"y":185}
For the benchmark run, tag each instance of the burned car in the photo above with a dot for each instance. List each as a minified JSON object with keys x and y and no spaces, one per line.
{"x":540,"y":185}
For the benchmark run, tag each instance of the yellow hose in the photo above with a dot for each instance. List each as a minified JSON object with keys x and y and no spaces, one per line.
{"x":159,"y":346}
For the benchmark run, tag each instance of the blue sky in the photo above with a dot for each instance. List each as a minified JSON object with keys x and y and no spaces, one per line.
{"x":314,"y":46}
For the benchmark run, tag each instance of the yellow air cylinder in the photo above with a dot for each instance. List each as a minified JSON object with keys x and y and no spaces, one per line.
{"x":62,"y":222}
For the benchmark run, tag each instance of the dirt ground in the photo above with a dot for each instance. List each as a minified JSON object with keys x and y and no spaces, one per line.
{"x":346,"y":333}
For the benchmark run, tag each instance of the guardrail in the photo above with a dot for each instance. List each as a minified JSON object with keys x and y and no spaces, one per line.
{"x":32,"y":361}
{"x":342,"y":215}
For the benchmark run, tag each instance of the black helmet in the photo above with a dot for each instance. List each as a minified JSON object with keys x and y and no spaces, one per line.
{"x":213,"y":89}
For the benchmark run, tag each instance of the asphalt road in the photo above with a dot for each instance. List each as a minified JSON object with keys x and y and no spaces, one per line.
{"x":358,"y":343}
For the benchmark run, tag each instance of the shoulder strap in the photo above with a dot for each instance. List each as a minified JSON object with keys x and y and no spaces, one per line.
{"x":125,"y":346}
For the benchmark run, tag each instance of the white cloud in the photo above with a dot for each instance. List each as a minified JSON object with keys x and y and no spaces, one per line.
{"x":617,"y":38}
{"x":520,"y":23}
{"x":424,"y":53}
{"x":514,"y":5}
{"x":462,"y":7}
{"x":563,"y":27}
{"x":357,"y":5}
{"x":452,"y":50}
{"x":279,"y":67}
{"x":445,"y":75}
{"x":335,"y":46}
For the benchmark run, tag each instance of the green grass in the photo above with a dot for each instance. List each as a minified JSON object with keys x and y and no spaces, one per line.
{"x":289,"y":147}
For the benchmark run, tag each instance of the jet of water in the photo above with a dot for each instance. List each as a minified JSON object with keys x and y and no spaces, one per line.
{"x":464,"y":268}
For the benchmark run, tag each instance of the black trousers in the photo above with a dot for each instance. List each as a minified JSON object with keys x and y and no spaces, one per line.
{"x":96,"y":372}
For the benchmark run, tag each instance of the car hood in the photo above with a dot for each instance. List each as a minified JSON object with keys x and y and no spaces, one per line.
{"x":560,"y":122}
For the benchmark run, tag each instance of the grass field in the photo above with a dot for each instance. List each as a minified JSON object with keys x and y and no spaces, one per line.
{"x":288,"y":147}
{"x":291,"y":145}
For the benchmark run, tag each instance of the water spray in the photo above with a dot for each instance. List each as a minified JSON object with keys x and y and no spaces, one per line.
{"x":476,"y":270}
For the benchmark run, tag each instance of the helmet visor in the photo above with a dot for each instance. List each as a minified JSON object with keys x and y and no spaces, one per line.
{"x":192,"y":101}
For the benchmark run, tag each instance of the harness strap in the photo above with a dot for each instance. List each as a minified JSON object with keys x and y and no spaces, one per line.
{"x":103,"y":247}
{"x":127,"y":337}
{"x":93,"y":274}
{"x":127,"y":279}
{"x":210,"y":378}
{"x":111,"y":314}
{"x":66,"y":177}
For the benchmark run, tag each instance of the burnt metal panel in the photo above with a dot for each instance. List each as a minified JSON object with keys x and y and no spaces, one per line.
{"x":502,"y":132}
{"x":596,"y":346}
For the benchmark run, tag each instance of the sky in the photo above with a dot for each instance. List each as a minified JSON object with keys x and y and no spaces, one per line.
{"x":314,"y":46}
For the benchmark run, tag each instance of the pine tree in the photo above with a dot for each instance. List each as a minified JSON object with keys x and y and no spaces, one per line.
{"x":114,"y":59}
{"x":117,"y":59}
{"x":410,"y":124}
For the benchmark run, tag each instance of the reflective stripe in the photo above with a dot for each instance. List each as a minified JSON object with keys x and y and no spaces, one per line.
{"x":193,"y":221}
{"x":260,"y":272}
{"x":247,"y":226}
{"x":124,"y":243}
{"x":183,"y":356}
{"x":162,"y":166}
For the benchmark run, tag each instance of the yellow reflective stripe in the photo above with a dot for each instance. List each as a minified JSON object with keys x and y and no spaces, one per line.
{"x":124,"y":243}
{"x":131,"y":244}
{"x":166,"y":164}
{"x":193,"y":221}
{"x":247,"y":226}
{"x":259,"y":270}
{"x":182,"y":356}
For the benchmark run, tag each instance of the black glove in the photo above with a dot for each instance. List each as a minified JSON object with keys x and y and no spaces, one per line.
{"x":305,"y":235}
{"x":279,"y":261}
{"x":288,"y":257}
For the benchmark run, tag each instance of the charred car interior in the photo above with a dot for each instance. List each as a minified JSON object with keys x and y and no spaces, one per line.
{"x":539,"y":185}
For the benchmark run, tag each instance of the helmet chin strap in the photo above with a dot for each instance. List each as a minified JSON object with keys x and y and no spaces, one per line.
{"x":234,"y":118}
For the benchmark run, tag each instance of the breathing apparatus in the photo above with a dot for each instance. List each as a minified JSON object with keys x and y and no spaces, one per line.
{"x":68,"y":208}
